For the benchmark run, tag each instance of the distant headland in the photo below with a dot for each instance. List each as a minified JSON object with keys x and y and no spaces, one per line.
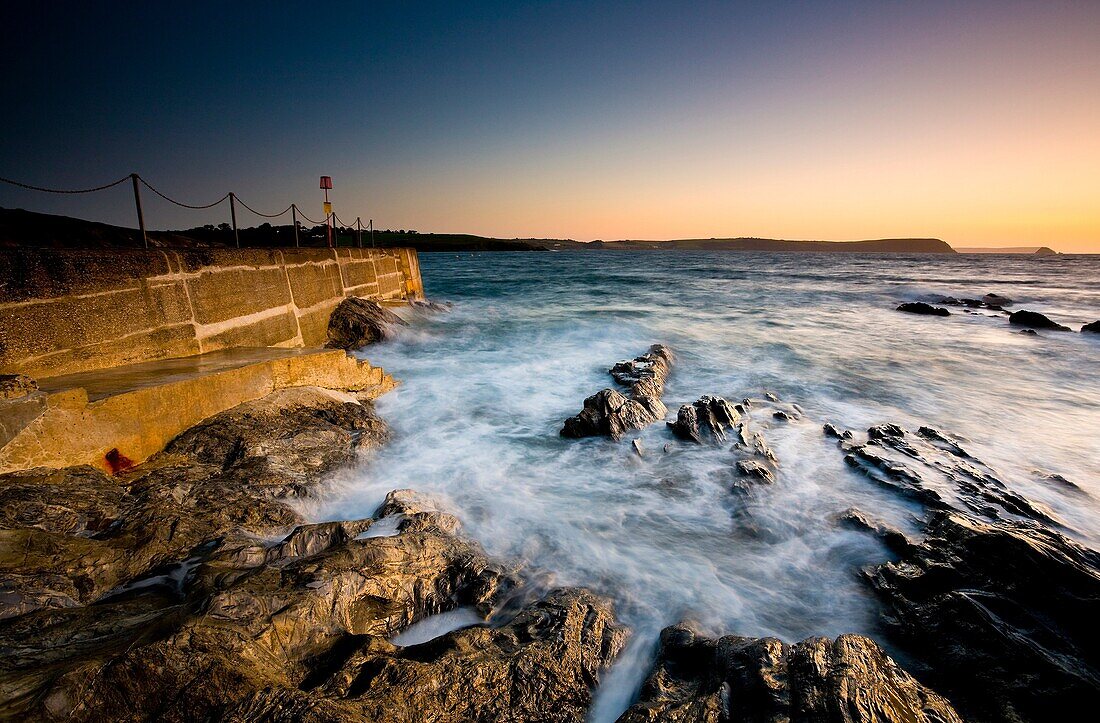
{"x":26,"y":228}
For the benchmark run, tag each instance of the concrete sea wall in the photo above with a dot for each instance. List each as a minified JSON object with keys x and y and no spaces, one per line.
{"x":68,"y":311}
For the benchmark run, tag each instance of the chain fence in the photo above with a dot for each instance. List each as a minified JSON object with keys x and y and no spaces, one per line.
{"x":330,"y":220}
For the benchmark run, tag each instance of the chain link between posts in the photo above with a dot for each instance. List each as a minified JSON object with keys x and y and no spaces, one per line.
{"x":198,"y":207}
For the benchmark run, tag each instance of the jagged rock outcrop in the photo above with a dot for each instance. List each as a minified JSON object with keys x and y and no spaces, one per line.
{"x":919,"y":307}
{"x":1034,"y":320}
{"x":707,"y":418}
{"x":356,"y":322}
{"x":936,"y":471}
{"x":1093,"y":328}
{"x":609,"y":413}
{"x":1003,"y":613}
{"x":763,"y":680}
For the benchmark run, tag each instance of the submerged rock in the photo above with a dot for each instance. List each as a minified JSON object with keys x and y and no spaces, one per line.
{"x":919,"y":307}
{"x":357,"y":322}
{"x":609,"y":413}
{"x":709,"y":417}
{"x":734,"y":679}
{"x":1003,"y":613}
{"x":997,"y":300}
{"x":1034,"y":320}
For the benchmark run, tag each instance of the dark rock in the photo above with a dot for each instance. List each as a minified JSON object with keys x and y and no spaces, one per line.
{"x":609,"y":413}
{"x":357,"y":322}
{"x":1093,"y":328}
{"x":1034,"y":320}
{"x":997,"y":300}
{"x":884,"y":431}
{"x":856,"y":519}
{"x":14,"y":386}
{"x":1029,"y":332}
{"x":934,"y":470}
{"x":752,"y":468}
{"x":831,"y":430}
{"x":708,"y":417}
{"x":771,"y":397}
{"x":919,"y":307}
{"x":783,"y":415}
{"x":764,"y":680}
{"x":1003,"y":613}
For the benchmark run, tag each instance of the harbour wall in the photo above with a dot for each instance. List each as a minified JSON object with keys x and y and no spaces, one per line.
{"x":68,"y":311}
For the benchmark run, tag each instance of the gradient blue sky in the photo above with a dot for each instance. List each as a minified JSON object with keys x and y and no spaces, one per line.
{"x":975,"y":122}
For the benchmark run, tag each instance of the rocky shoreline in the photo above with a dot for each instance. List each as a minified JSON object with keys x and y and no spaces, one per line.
{"x":191,"y":588}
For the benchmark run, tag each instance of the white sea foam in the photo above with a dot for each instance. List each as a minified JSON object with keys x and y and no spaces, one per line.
{"x":486,"y":388}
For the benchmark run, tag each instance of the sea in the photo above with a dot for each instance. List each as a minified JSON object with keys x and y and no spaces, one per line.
{"x":486,"y":387}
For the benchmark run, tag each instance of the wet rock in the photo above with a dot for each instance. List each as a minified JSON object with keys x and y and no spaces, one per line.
{"x":609,"y":413}
{"x":1093,"y":328}
{"x":919,"y":307}
{"x":1029,"y":332}
{"x":766,"y":680}
{"x":934,"y":470}
{"x":783,"y":415}
{"x":997,"y":300}
{"x":15,"y":386}
{"x":771,"y":397}
{"x":831,"y":430}
{"x":638,"y":448}
{"x":357,"y":322}
{"x":753,"y":441}
{"x":756,"y":470}
{"x":299,"y":631}
{"x":856,"y":519}
{"x":1003,"y":613}
{"x":1034,"y":320}
{"x":72,"y":536}
{"x":708,"y":418}
{"x":299,"y":431}
{"x":645,"y":375}
{"x":540,"y":666}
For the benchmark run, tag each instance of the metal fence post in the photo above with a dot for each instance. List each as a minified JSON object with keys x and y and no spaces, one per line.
{"x":372,"y":233}
{"x":294,"y":215}
{"x":233,"y":216}
{"x":359,"y":230}
{"x":141,"y":216}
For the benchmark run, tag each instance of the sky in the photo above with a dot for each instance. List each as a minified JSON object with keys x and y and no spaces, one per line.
{"x":974,"y":122}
